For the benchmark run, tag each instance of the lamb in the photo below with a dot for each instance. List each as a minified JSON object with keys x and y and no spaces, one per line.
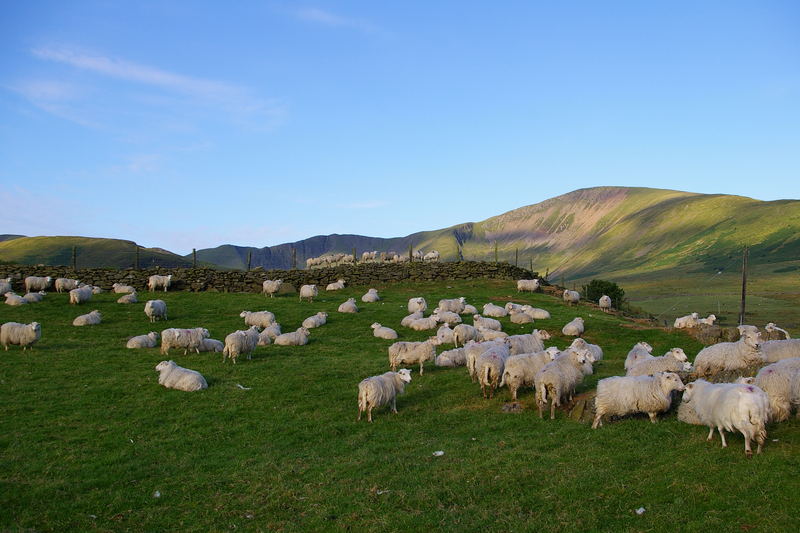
{"x":474,"y":351}
{"x":309,"y":292}
{"x":337,"y":286}
{"x":34,"y":297}
{"x":80,"y":295}
{"x":531,"y":343}
{"x":452,"y":358}
{"x":529,"y":285}
{"x":640,"y":352}
{"x":574,"y":328}
{"x":15,"y":299}
{"x":156,"y":282}
{"x":271,"y":286}
{"x":463,"y":333}
{"x":377,"y":391}
{"x":155,"y":310}
{"x":771,"y":329}
{"x":709,"y":320}
{"x":409,"y":353}
{"x":294,"y":338}
{"x":417,"y":304}
{"x":730,"y":356}
{"x":143,"y":341}
{"x":487,"y":323}
{"x":240,"y":342}
{"x":490,"y":334}
{"x":620,"y":396}
{"x":349,"y":306}
{"x":444,"y":335}
{"x":424,"y":324}
{"x":5,"y":285}
{"x":688,"y":321}
{"x":119,"y":288}
{"x":781,"y":382}
{"x":176,"y":377}
{"x":495,"y":311}
{"x":730,"y":406}
{"x":24,"y":335}
{"x":594,"y":350}
{"x":446,"y":317}
{"x":261,"y":319}
{"x":66,"y":284}
{"x":35,"y":283}
{"x":571,"y":297}
{"x":558,"y":378}
{"x":779,"y":350}
{"x":316,"y":321}
{"x":211,"y":345}
{"x":383,"y":332}
{"x":489,"y":367}
{"x":520,"y":317}
{"x":89,"y":319}
{"x":672,"y":361}
{"x":371,"y":296}
{"x":521,"y":369}
{"x":605,"y":303}
{"x":455,"y":305}
{"x":129,"y":298}
{"x":188,"y":339}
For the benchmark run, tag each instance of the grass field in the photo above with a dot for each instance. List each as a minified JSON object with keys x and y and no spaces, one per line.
{"x":87,"y":435}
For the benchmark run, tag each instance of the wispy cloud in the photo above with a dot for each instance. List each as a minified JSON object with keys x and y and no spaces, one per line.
{"x":372,"y":204}
{"x":55,"y":97}
{"x":326,"y":18}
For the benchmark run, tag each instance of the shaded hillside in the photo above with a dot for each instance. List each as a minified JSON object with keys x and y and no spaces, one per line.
{"x":8,"y":237}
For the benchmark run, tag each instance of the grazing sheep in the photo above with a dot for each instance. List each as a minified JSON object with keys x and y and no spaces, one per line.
{"x":261,"y":319}
{"x":349,"y":306}
{"x":446,"y":317}
{"x":173,"y":376}
{"x":34,"y":297}
{"x":371,"y":296}
{"x":155,"y":310}
{"x":294,"y":338}
{"x":35,"y":283}
{"x":66,"y":284}
{"x":490,"y":334}
{"x":309,"y":292}
{"x":781,"y":382}
{"x":709,"y":320}
{"x":143,"y":341}
{"x":527,"y":285}
{"x":81,"y":294}
{"x":574,"y":328}
{"x":531,"y":343}
{"x":89,"y":319}
{"x":452,"y":358}
{"x":730,"y":406}
{"x":271,"y":286}
{"x":605,"y":303}
{"x":521,"y":369}
{"x":119,"y":288}
{"x":337,"y":286}
{"x":5,"y":285}
{"x":571,"y":297}
{"x":620,"y":396}
{"x":156,"y":282}
{"x":15,"y":299}
{"x":520,"y":317}
{"x":211,"y":345}
{"x":475,"y":350}
{"x":315,"y":321}
{"x":20,"y":334}
{"x":778,"y":350}
{"x":240,"y":342}
{"x":417,"y":304}
{"x":672,"y":361}
{"x":771,"y":329}
{"x":129,"y":298}
{"x":410,"y":353}
{"x":188,"y":339}
{"x":730,"y":356}
{"x":383,"y":332}
{"x":489,"y":367}
{"x":494,"y":311}
{"x":688,"y":321}
{"x":641,"y":351}
{"x":558,"y":378}
{"x":463,"y":333}
{"x":456,"y":305}
{"x":594,"y":350}
{"x":424,"y":324}
{"x":486,"y":323}
{"x":444,"y":335}
{"x":469,"y":310}
{"x":377,"y":391}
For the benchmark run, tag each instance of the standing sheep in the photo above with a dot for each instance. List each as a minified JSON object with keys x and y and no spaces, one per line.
{"x":530,"y":343}
{"x":620,"y":396}
{"x":143,"y":341}
{"x":337,"y":286}
{"x":294,"y":338}
{"x":155,"y":310}
{"x":571,"y":297}
{"x":730,"y":356}
{"x":474,"y":351}
{"x":5,"y":285}
{"x":558,"y":379}
{"x":349,"y":306}
{"x":410,"y":353}
{"x":316,"y":321}
{"x":574,"y":328}
{"x":417,"y":304}
{"x":80,"y":295}
{"x":639,"y":352}
{"x":489,"y":367}
{"x":35,"y":283}
{"x":463,"y":333}
{"x":527,"y":285}
{"x":271,"y":287}
{"x":20,"y":334}
{"x":129,"y":298}
{"x":240,"y":342}
{"x":377,"y":391}
{"x":383,"y":332}
{"x":521,"y":369}
{"x":672,"y":361}
{"x":156,"y":282}
{"x":309,"y":292}
{"x":172,"y":376}
{"x":261,"y":319}
{"x":371,"y":296}
{"x":89,"y":319}
{"x":605,"y":303}
{"x":66,"y":284}
{"x":188,"y":339}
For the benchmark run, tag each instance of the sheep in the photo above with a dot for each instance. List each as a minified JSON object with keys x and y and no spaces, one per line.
{"x":463,"y":333}
{"x":595,"y":350}
{"x":89,"y":319}
{"x":709,"y":320}
{"x":688,"y":321}
{"x":212,"y":345}
{"x":315,"y":321}
{"x":371,"y":296}
{"x":778,"y":350}
{"x":431,"y":256}
{"x":156,"y":282}
{"x":531,"y":343}
{"x":309,"y":292}
{"x":417,"y":304}
{"x":469,"y":310}
{"x":66,"y":284}
{"x":155,"y":310}
{"x":35,"y":283}
{"x":172,"y":376}
{"x":271,"y":286}
{"x":5,"y":285}
{"x":409,"y":353}
{"x":489,"y":367}
{"x":641,"y":351}
{"x":672,"y":361}
{"x":730,"y":406}
{"x":475,"y":350}
{"x":520,"y":317}
{"x":143,"y":341}
{"x":781,"y":382}
{"x":574,"y":328}
{"x":494,"y":311}
{"x":129,"y":298}
{"x":444,"y":335}
{"x":34,"y":297}
{"x":120,"y":288}
{"x":15,"y":299}
{"x":188,"y":339}
{"x":490,"y":334}
{"x":294,"y":338}
{"x":536,"y":313}
{"x":771,"y":328}
{"x":487,"y":323}
{"x":452,"y":358}
{"x":377,"y":391}
{"x":424,"y":324}
{"x":349,"y":306}
{"x":520,"y":369}
{"x":529,"y":285}
{"x":383,"y":332}
{"x":446,"y":317}
{"x":455,"y":305}
{"x":730,"y":356}
{"x":24,"y":335}
{"x":261,"y":319}
{"x":240,"y":342}
{"x":80,"y":295}
{"x":571,"y":297}
{"x":604,"y":303}
{"x":266,"y":337}
{"x":558,"y":378}
{"x":97,"y":290}
{"x":407,"y":320}
{"x":620,"y":396}
{"x":337,"y":286}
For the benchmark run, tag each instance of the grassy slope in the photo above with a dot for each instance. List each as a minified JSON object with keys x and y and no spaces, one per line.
{"x":87,"y":432}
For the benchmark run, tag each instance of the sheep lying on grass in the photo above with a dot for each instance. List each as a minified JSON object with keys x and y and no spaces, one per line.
{"x":89,"y":319}
{"x":294,"y":338}
{"x":173,"y":376}
{"x":349,"y":306}
{"x":120,"y":288}
{"x":316,"y":320}
{"x":34,"y":297}
{"x":456,"y":305}
{"x":521,"y":369}
{"x":81,"y":294}
{"x":371,"y":296}
{"x":494,"y":311}
{"x":383,"y":332}
{"x":336,"y":286}
{"x":469,"y":310}
{"x":36,"y":283}
{"x":486,"y":323}
{"x":308,"y":292}
{"x":672,"y":361}
{"x":410,"y":353}
{"x":781,"y":382}
{"x":490,"y":334}
{"x":23,"y":335}
{"x":417,"y":304}
{"x":261,"y":319}
{"x":155,"y":310}
{"x":520,"y":317}
{"x":446,"y":317}
{"x":15,"y":299}
{"x":271,"y":286}
{"x":143,"y":341}
{"x":424,"y":324}
{"x":639,"y":352}
{"x":574,"y":328}
{"x":444,"y":335}
{"x":211,"y":345}
{"x":730,"y":356}
{"x":155,"y":282}
{"x":620,"y":396}
{"x":188,"y":339}
{"x":377,"y":391}
{"x":452,"y":358}
{"x":129,"y":298}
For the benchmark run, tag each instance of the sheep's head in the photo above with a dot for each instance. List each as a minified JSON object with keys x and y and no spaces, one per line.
{"x":752,"y":338}
{"x":204,"y":333}
{"x":552,"y":351}
{"x":670,"y":381}
{"x":543,"y":334}
{"x":153,"y":335}
{"x":35,"y":327}
{"x":375,"y":325}
{"x":405,"y":374}
{"x":578,"y":343}
{"x":243,"y":314}
{"x":678,"y":354}
{"x":745,"y":380}
{"x":645,"y":345}
{"x":164,"y":365}
{"x":304,"y":331}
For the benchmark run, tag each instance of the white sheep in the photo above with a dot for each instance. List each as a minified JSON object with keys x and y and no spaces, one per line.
{"x":377,"y":391}
{"x":452,"y":358}
{"x":778,"y":350}
{"x":80,"y":295}
{"x":469,"y":310}
{"x":730,"y":356}
{"x":143,"y":341}
{"x":446,"y":317}
{"x":294,"y":338}
{"x":371,"y":296}
{"x":240,"y":342}
{"x":261,"y":319}
{"x":410,"y":353}
{"x":463,"y":333}
{"x":672,"y":361}
{"x":771,"y":327}
{"x":489,"y":368}
{"x":97,"y":290}
{"x":473,"y":351}
{"x":486,"y":323}
{"x":34,"y":297}
{"x":527,"y":285}
{"x":188,"y":339}
{"x":336,"y":286}
{"x":15,"y":299}
{"x":620,"y":396}
{"x":490,"y":334}
{"x":518,"y":316}
{"x":128,"y":298}
{"x":688,"y":321}
{"x":709,"y":320}
{"x":456,"y":305}
{"x":594,"y":350}
{"x":89,"y":319}
{"x":66,"y":284}
{"x":571,"y":297}
{"x":424,"y":324}
{"x":417,"y":304}
{"x":530,"y":343}
{"x":316,"y":320}
{"x":120,"y":288}
{"x":266,"y":337}
{"x":641,"y":351}
{"x":271,"y":286}
{"x":36,"y":283}
{"x":5,"y":285}
{"x":349,"y":306}
{"x":383,"y":332}
{"x":444,"y":335}
{"x":781,"y":382}
{"x":407,"y":320}
{"x":24,"y":335}
{"x":431,"y":256}
{"x":172,"y":376}
{"x":309,"y":292}
{"x":604,"y":303}
{"x":574,"y":328}
{"x":536,"y":313}
{"x":155,"y":310}
{"x":156,"y":282}
{"x":522,"y":368}
{"x":730,"y":406}
{"x":494,"y":311}
{"x":557,"y":379}
{"x":211,"y":345}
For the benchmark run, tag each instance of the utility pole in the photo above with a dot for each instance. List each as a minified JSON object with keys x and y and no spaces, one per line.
{"x":744,"y":284}
{"x":249,"y":259}
{"x":294,"y":258}
{"x":137,"y":257}
{"x":516,"y":257}
{"x":74,"y":258}
{"x":194,"y":257}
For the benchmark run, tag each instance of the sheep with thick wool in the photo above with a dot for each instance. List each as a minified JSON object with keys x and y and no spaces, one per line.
{"x":518,"y":316}
{"x":571,"y":297}
{"x":156,"y":310}
{"x":157,"y":281}
{"x":211,"y":345}
{"x":446,"y":317}
{"x":188,"y":339}
{"x":521,"y":369}
{"x":673,"y":361}
{"x":335,"y":286}
{"x":604,"y":303}
{"x":444,"y":335}
{"x":308,"y":292}
{"x":417,"y":304}
{"x":574,"y":328}
{"x":527,"y":285}
{"x":24,"y":335}
{"x":315,"y":321}
{"x":474,"y":351}
{"x":486,"y":323}
{"x":529,"y":343}
{"x":15,"y":299}
{"x":456,"y":305}
{"x":89,"y":319}
{"x":128,"y":298}
{"x":730,"y":356}
{"x":534,"y":312}
{"x":452,"y":358}
{"x":121,"y":288}
{"x":469,"y":310}
{"x":349,"y":306}
{"x":778,"y":350}
{"x":172,"y":376}
{"x":271,"y":287}
{"x":781,"y":382}
{"x":557,"y":379}
{"x":66,"y":284}
{"x":143,"y":341}
{"x":490,"y":334}
{"x":371,"y":296}
{"x":463,"y":333}
{"x":424,"y":324}
{"x":410,"y":353}
{"x":377,"y":391}
{"x":708,"y":321}
{"x":34,"y":297}
{"x":594,"y":350}
{"x":261,"y":319}
{"x":80,"y":295}
{"x":688,"y":321}
{"x":299,"y":337}
{"x":240,"y":342}
{"x":641,"y":351}
{"x":494,"y":311}
{"x":36,"y":283}
{"x":383,"y":332}
{"x":620,"y":396}
{"x":489,"y":367}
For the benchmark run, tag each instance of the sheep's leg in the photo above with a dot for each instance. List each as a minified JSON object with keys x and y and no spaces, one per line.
{"x":514,"y":394}
{"x":653,"y":417}
{"x":747,"y":450}
{"x":722,"y":436}
{"x":539,"y":405}
{"x":369,"y":412}
{"x":420,"y":368}
{"x":359,"y":414}
{"x":553,"y":409}
{"x":483,"y":390}
{"x":598,"y":420}
{"x":394,"y":405}
{"x":710,"y":433}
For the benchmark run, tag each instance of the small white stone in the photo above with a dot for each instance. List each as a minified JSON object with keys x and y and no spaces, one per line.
{"x":438,"y":453}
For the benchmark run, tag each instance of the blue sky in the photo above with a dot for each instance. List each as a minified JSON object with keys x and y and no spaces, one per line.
{"x":192,"y":124}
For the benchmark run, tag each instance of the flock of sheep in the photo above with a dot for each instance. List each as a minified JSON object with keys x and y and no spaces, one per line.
{"x":336,"y":259}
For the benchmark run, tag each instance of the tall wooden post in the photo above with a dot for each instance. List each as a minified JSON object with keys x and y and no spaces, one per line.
{"x":516,"y":257}
{"x":74,"y":258}
{"x":411,"y":252}
{"x":355,"y":259}
{"x":249,"y":259}
{"x":136,"y":265}
{"x":744,"y":284}
{"x":194,"y":257}
{"x":495,"y":251}
{"x":294,"y":258}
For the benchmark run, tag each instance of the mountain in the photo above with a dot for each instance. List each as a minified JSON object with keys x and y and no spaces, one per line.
{"x":8,"y":237}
